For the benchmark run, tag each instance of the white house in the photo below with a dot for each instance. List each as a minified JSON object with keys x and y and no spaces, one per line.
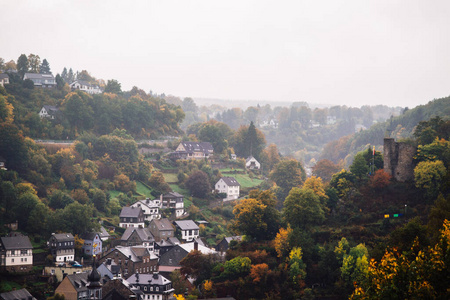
{"x":174,"y":201}
{"x":85,"y":87}
{"x":4,"y":79}
{"x":16,"y":254}
{"x":62,"y":246}
{"x":48,"y":111}
{"x":41,"y":80}
{"x":193,"y":150}
{"x":131,"y":217}
{"x":229,"y":186}
{"x":189,"y":230}
{"x":252,"y":164}
{"x":151,"y":208}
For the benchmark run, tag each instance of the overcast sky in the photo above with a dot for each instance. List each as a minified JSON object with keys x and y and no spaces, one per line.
{"x":336,"y":52}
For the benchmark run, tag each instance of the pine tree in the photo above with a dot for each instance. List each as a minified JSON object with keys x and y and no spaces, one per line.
{"x":45,"y":67}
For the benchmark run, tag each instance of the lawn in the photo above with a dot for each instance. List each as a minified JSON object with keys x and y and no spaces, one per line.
{"x":231,"y":170}
{"x":143,"y":190}
{"x":114,"y":193}
{"x":246,"y":182}
{"x":170,"y":177}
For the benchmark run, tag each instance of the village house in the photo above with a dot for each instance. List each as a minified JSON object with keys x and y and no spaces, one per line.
{"x":224,"y":244}
{"x":2,"y":163}
{"x":16,"y":254}
{"x":173,"y":201}
{"x":228,"y":186}
{"x":150,"y":208}
{"x":193,"y":150}
{"x":62,"y":247}
{"x":92,"y":243}
{"x":132,"y":260}
{"x":170,"y":261}
{"x":116,"y":289}
{"x":161,"y":229}
{"x":21,"y":294}
{"x":75,"y":286}
{"x":154,"y":286}
{"x":4,"y":79}
{"x":252,"y":164}
{"x":164,"y":246}
{"x":85,"y":87}
{"x":188,"y":229}
{"x":138,"y":237}
{"x":104,"y":235}
{"x":49,"y":112}
{"x":41,"y":80}
{"x":131,"y":217}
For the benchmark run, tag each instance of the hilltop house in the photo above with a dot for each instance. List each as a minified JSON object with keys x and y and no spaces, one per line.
{"x":224,"y":244}
{"x":41,"y":80}
{"x":189,"y":230}
{"x":16,"y":254}
{"x":131,"y":217}
{"x":154,"y":286}
{"x":75,"y":286}
{"x":4,"y":79}
{"x":174,"y":201}
{"x":229,"y":186}
{"x":132,"y":260}
{"x":193,"y":150}
{"x":92,"y":243}
{"x":161,"y":229}
{"x":49,"y":111}
{"x":150,"y":208}
{"x":164,"y":246}
{"x":62,"y":247}
{"x":252,"y":164}
{"x":85,"y":87}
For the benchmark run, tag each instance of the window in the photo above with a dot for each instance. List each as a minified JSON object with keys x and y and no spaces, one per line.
{"x":12,"y":260}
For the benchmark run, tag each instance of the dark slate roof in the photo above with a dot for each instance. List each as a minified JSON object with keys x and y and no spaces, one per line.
{"x":39,"y":76}
{"x":64,"y":237}
{"x":173,"y":240}
{"x":173,"y":257}
{"x":163,"y":224}
{"x":16,"y":242}
{"x":82,"y":82}
{"x":116,"y":290}
{"x":79,"y":281}
{"x":173,"y":195}
{"x":186,"y":225}
{"x":143,"y":233}
{"x":51,"y":109}
{"x":90,"y":236}
{"x":150,"y":278}
{"x":103,"y":232}
{"x":197,"y":146}
{"x":130,"y":212}
{"x":3,"y":76}
{"x":233,"y":238}
{"x":22,"y":294}
{"x":230,"y":181}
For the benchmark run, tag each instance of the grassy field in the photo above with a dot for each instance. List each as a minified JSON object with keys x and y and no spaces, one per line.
{"x":114,"y":194}
{"x":247,"y":182}
{"x":143,"y":190}
{"x":170,"y":177}
{"x":229,"y":170}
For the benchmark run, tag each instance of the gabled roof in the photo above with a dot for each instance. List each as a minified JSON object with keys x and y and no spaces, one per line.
{"x":103,"y":233}
{"x":21,"y":294}
{"x":233,"y":238}
{"x":156,"y":279}
{"x":51,"y":109}
{"x":173,"y":195}
{"x":147,"y":202}
{"x":64,"y":237}
{"x":130,"y":212}
{"x":197,"y":146}
{"x":38,"y":76}
{"x":90,"y":236}
{"x":173,"y":257}
{"x":16,"y":242}
{"x":186,"y":225}
{"x":204,"y":250}
{"x":230,"y":181}
{"x":82,"y":82}
{"x":78,"y":281}
{"x":3,"y":75}
{"x":250,"y":158}
{"x":163,"y":224}
{"x":143,"y":233}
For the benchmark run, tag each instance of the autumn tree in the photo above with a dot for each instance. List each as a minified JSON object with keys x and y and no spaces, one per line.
{"x":325,"y":168}
{"x":270,"y":157}
{"x":302,"y":208}
{"x":197,"y":265}
{"x":287,"y":174}
{"x":113,"y":87}
{"x":428,"y":176}
{"x":249,"y":218}
{"x":35,"y":63}
{"x":158,"y":183}
{"x":281,"y":242}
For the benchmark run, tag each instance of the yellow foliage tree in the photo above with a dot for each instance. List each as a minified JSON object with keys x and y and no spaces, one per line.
{"x":281,"y":242}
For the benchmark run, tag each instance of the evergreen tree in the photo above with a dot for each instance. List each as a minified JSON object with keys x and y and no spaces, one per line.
{"x":64,"y":75}
{"x":45,"y":67}
{"x":22,"y":65}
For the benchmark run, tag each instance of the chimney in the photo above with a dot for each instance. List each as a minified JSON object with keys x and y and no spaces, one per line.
{"x":195,"y":245}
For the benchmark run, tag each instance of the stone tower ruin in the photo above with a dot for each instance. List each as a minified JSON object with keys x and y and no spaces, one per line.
{"x":398,"y":159}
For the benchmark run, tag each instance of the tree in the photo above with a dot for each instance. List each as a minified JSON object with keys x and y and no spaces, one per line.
{"x":238,"y":267}
{"x":59,"y":199}
{"x":325,"y":169}
{"x":22,"y":65}
{"x":297,"y":268}
{"x":212,"y":134}
{"x":249,"y":218}
{"x":428,"y":176}
{"x":302,"y":208}
{"x":197,"y":265}
{"x":45,"y":67}
{"x":35,"y":62}
{"x":249,"y":141}
{"x":439,"y":149}
{"x":315,"y":183}
{"x":113,"y":87}
{"x":287,"y":174}
{"x":158,"y":183}
{"x":281,"y":242}
{"x":6,"y":111}
{"x":189,"y":105}
{"x":198,"y":184}
{"x":359,"y":166}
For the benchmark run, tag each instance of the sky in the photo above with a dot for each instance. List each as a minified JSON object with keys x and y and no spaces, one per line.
{"x":333,"y":52}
